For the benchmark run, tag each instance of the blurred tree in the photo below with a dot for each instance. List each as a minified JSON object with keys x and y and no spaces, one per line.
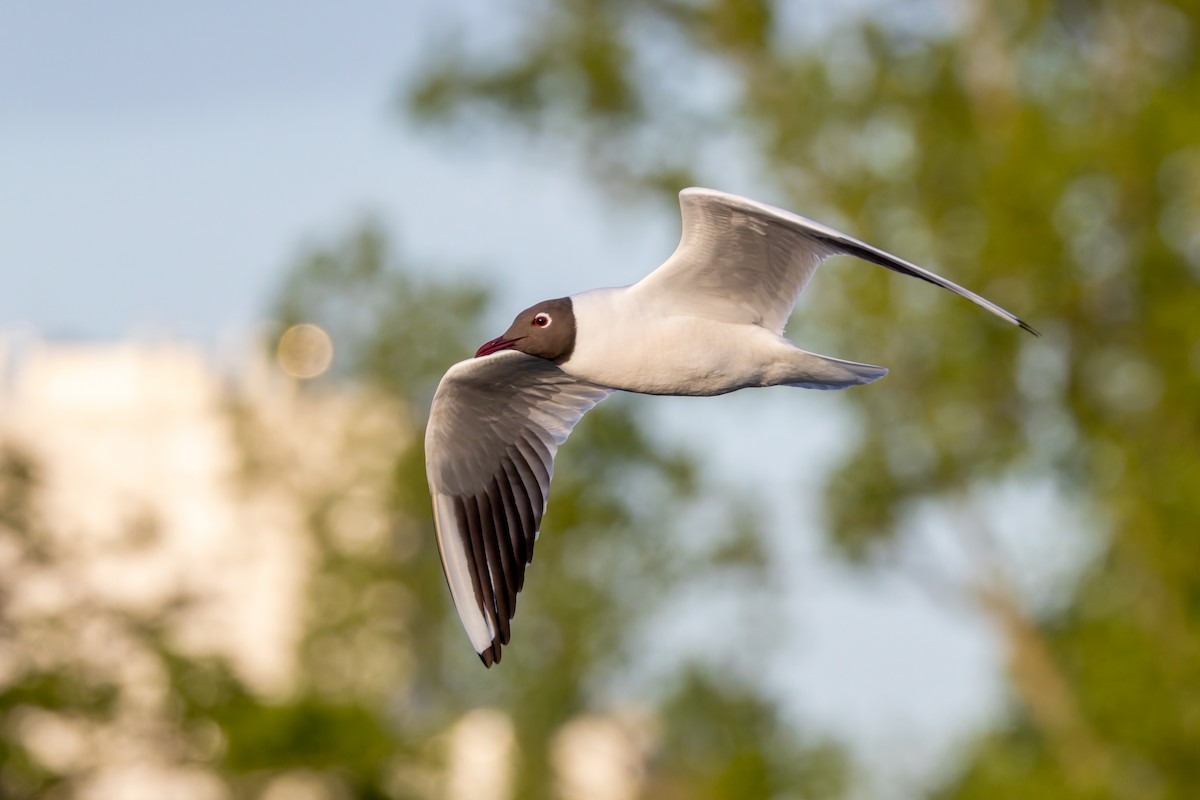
{"x":385,"y":663}
{"x":383,"y":674}
{"x":726,"y":742}
{"x":1042,"y":152}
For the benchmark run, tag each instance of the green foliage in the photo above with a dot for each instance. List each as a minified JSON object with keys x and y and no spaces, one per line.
{"x":1045,"y":154}
{"x":389,"y":327}
{"x":383,"y":670}
{"x":753,"y":754}
{"x":596,"y":572}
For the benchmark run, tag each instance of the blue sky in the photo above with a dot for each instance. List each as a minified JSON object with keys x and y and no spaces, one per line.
{"x":161,"y":164}
{"x":164,"y":164}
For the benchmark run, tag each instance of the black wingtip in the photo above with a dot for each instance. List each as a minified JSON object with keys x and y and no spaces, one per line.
{"x":491,"y":655}
{"x":1026,"y":326}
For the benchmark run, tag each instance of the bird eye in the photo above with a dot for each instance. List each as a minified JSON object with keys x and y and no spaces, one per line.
{"x":542,"y":320}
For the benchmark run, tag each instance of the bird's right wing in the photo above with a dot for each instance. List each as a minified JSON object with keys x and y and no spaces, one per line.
{"x":743,"y":261}
{"x":494,"y":428}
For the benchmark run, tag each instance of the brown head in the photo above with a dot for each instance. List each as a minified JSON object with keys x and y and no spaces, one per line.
{"x":546,"y":330}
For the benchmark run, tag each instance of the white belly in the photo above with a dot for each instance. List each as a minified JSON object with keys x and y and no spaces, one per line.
{"x":625,"y":346}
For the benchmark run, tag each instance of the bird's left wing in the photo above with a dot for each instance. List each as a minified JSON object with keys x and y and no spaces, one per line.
{"x":494,"y":429}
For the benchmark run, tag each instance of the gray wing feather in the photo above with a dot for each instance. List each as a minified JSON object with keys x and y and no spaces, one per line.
{"x":743,"y":261}
{"x":494,"y":429}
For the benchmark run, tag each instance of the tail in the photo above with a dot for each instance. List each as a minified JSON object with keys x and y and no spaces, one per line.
{"x":810,"y":371}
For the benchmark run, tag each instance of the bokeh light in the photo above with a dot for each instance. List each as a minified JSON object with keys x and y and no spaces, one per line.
{"x":305,"y":351}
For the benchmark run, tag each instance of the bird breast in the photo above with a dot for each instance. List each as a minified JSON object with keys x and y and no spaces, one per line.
{"x":623,"y":342}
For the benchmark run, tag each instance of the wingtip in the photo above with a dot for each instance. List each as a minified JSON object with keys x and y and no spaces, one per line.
{"x":1027,"y":327}
{"x":491,"y":655}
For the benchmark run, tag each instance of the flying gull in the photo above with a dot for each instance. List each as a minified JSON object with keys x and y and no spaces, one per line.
{"x":708,"y":321}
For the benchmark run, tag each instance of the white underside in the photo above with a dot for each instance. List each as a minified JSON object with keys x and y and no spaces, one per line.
{"x":624,"y":341}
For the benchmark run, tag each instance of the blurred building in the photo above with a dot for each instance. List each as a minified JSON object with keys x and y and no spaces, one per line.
{"x":139,"y":471}
{"x":147,"y":514}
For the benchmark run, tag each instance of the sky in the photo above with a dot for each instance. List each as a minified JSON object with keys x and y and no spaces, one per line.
{"x":162,"y":164}
{"x":170,"y":163}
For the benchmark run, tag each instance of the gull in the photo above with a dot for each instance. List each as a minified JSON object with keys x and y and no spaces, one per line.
{"x":708,"y":321}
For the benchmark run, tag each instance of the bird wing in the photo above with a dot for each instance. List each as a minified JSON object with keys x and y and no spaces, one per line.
{"x":743,"y":261}
{"x":494,"y":427}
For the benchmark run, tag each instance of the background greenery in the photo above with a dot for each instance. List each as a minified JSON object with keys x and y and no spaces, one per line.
{"x":1046,"y":154}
